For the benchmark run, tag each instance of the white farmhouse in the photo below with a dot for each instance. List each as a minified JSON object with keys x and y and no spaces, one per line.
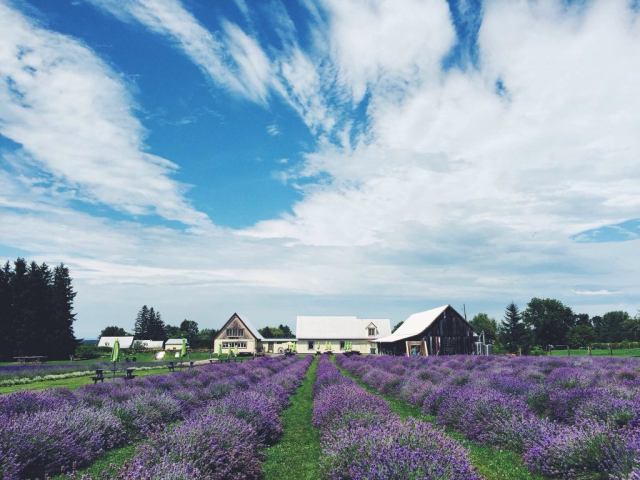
{"x":339,"y":333}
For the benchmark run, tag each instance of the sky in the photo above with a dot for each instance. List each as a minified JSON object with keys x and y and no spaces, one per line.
{"x":276,"y":158}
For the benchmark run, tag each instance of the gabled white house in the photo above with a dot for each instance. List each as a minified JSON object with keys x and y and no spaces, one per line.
{"x":339,"y":333}
{"x":107,"y":342}
{"x":238,"y":335}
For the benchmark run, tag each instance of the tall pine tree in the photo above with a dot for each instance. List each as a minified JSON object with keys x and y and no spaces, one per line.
{"x":63,"y":339}
{"x":141,"y":328}
{"x":513,"y":332}
{"x":36,"y":310}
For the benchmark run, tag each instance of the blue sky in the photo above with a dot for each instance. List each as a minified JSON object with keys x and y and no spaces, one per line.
{"x":281,"y":158}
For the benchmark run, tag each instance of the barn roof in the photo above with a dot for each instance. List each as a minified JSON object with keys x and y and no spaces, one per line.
{"x":339,"y":327}
{"x":414,"y":324}
{"x":125,"y":342}
{"x":175,"y":341}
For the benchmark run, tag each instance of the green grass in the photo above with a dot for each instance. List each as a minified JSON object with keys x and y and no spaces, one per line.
{"x":107,"y":465}
{"x":601,"y":352}
{"x":74,"y":382}
{"x":297,"y":454}
{"x":492,"y":463}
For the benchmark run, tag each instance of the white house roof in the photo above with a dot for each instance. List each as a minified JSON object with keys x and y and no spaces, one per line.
{"x":254,"y":331}
{"x":149,"y":343}
{"x":414,"y":324}
{"x":125,"y":342}
{"x":339,"y":327}
{"x":175,"y":341}
{"x":280,"y":340}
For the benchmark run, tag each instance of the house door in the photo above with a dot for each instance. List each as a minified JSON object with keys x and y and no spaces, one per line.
{"x":270,"y":348}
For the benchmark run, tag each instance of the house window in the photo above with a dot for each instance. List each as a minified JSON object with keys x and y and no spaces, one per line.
{"x":341,"y":344}
{"x":310,"y":345}
{"x":235,"y":332}
{"x":240,"y":345}
{"x":372,"y":331}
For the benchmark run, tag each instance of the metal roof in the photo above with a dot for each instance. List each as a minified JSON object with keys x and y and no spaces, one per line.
{"x":125,"y":342}
{"x":339,"y":327}
{"x":149,"y":343}
{"x":414,"y":324}
{"x":175,"y":341}
{"x":254,"y":331}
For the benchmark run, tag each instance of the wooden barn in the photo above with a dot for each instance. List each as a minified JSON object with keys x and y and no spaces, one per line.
{"x":439,"y":331}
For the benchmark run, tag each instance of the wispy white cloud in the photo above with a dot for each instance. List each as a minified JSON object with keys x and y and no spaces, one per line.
{"x":273,"y":130}
{"x":73,"y":118}
{"x":594,"y":293}
{"x":229,"y":57}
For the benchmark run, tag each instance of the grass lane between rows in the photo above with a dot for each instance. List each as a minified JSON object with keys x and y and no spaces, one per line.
{"x":297,"y":454}
{"x":492,"y":463}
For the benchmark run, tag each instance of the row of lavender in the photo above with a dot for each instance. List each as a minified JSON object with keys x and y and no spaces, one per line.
{"x":53,"y":431}
{"x":224,"y":439}
{"x":570,"y":418}
{"x":363,"y":439}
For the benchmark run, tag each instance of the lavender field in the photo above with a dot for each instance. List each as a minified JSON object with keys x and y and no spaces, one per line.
{"x":212,"y":422}
{"x":573,"y":418}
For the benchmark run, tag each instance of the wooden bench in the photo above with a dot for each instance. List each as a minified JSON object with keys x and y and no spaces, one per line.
{"x":130,"y":374}
{"x":99,"y":376}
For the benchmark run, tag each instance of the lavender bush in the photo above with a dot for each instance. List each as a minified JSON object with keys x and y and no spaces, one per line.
{"x":362,"y":439}
{"x":569,"y":417}
{"x":54,"y":431}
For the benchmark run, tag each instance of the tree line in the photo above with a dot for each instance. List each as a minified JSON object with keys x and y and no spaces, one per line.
{"x":547,"y":321}
{"x":36,"y":311}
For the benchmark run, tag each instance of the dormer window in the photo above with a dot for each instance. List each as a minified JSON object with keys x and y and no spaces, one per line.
{"x":372,"y":331}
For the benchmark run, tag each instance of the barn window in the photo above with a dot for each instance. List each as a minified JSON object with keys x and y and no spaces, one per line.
{"x":310,"y":345}
{"x":372,"y":331}
{"x":235,"y":332}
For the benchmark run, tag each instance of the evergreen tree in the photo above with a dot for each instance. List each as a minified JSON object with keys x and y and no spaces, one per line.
{"x":141,"y":328}
{"x":156,"y":326}
{"x":22,"y":324}
{"x":63,"y":341}
{"x":513,"y":333}
{"x":36,"y":310}
{"x":7,"y":328}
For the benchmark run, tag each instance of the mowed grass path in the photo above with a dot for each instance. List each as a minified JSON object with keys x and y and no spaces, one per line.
{"x":490,"y":462}
{"x":297,"y":454}
{"x":74,"y":382}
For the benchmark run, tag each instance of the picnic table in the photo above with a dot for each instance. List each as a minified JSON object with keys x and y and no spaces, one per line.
{"x":171,"y":366}
{"x":30,"y":359}
{"x":99,"y":376}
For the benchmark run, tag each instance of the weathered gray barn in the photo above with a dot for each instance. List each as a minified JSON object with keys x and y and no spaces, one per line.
{"x":439,"y":331}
